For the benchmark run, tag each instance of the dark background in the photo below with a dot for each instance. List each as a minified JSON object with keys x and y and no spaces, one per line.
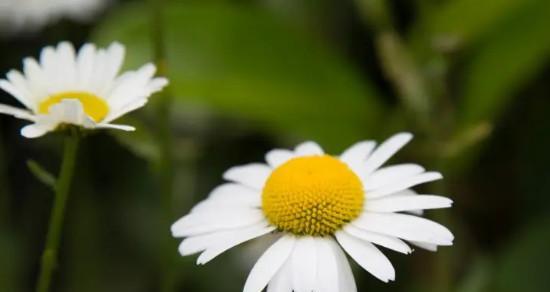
{"x":469,"y":78}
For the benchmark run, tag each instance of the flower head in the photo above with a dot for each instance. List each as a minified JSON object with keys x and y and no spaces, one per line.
{"x":81,"y":88}
{"x":19,"y":15}
{"x":320,"y":206}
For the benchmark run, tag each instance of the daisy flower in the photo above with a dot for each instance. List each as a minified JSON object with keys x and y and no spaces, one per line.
{"x":321,"y":207}
{"x":81,"y":88}
{"x":32,"y":14}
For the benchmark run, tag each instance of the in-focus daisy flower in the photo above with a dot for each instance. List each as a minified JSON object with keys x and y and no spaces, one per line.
{"x":83,"y":89}
{"x":18,"y":15}
{"x":322,"y":207}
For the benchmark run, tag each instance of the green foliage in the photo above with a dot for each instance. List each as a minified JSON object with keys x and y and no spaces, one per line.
{"x":504,"y":62}
{"x":41,"y":174}
{"x":244,"y":62}
{"x":462,"y":22}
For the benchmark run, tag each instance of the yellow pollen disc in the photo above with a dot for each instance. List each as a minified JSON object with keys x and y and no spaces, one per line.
{"x":312,"y":195}
{"x":95,"y":107}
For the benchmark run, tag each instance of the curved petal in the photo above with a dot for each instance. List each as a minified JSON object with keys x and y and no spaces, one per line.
{"x":253,"y":175}
{"x":367,"y":256}
{"x":268,"y":264}
{"x":405,"y":184}
{"x":308,"y":148}
{"x":424,"y":245}
{"x":215,"y":220}
{"x":407,"y":203}
{"x":230,"y":240}
{"x":390,"y":242}
{"x":404,"y":226}
{"x":277,"y":157}
{"x":345,"y":275}
{"x":327,"y":267}
{"x":195,"y":244}
{"x":16,"y":112}
{"x":303,"y":262}
{"x":390,"y":174}
{"x":282,"y":281}
{"x":385,"y":151}
{"x":230,"y":195}
{"x":358,"y":152}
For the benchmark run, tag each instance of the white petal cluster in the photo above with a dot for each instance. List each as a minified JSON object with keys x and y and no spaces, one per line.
{"x":232,"y":214}
{"x":17,"y":15}
{"x":91,"y":70}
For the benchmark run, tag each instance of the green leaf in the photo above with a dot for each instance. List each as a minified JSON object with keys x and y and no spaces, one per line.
{"x":523,"y":264}
{"x":244,"y":62}
{"x":41,"y":174}
{"x":504,"y":63}
{"x":462,"y":22}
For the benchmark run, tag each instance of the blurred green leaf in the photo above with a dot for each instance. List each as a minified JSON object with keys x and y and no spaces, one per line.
{"x":504,"y":62}
{"x":41,"y":173}
{"x":244,"y":62}
{"x":141,"y":142}
{"x":523,"y":264}
{"x":461,"y":22}
{"x":11,"y":255}
{"x":478,"y":276}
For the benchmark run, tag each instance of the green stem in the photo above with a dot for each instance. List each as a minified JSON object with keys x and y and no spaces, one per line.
{"x":166,"y":165}
{"x":49,"y":256}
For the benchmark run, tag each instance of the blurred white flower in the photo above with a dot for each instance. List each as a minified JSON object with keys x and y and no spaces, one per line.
{"x":319,"y":206}
{"x":32,"y":14}
{"x":83,"y":89}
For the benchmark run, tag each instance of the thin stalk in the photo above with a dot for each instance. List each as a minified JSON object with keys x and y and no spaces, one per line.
{"x":63,"y":183}
{"x":166,"y":165}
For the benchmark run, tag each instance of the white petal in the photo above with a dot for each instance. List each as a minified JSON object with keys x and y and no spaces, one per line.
{"x":407,"y":203}
{"x":277,"y":157}
{"x":391,"y":174}
{"x":404,"y":184}
{"x":404,"y":226}
{"x":202,"y":242}
{"x":231,"y":240}
{"x":38,"y":81}
{"x":85,"y":66}
{"x":304,"y":264}
{"x":126,"y":128}
{"x":132,"y":90}
{"x":36,"y":130}
{"x":386,"y":150}
{"x":358,"y":152}
{"x":253,"y":175}
{"x":308,"y":148}
{"x":282,"y":281}
{"x":16,"y":112}
{"x":345,"y":275}
{"x":67,"y":63}
{"x":327,"y":267}
{"x":268,"y":264}
{"x":367,"y":256}
{"x":70,"y":111}
{"x":230,"y":195}
{"x":17,"y":86}
{"x":114,"y":56}
{"x":379,"y":239}
{"x":211,"y":221}
{"x":424,"y":245}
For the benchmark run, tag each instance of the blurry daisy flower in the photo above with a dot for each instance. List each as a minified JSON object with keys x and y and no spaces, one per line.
{"x":17,"y":15}
{"x":83,"y":89}
{"x":320,"y":206}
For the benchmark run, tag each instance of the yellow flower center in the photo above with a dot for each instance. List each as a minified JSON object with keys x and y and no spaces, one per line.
{"x":313,"y":195}
{"x":95,"y":107}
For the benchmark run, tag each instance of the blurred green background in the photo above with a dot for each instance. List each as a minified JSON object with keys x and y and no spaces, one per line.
{"x":471,"y":80}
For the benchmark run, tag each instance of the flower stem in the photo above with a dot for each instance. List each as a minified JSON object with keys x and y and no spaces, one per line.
{"x":166,"y":165}
{"x":49,"y":255}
